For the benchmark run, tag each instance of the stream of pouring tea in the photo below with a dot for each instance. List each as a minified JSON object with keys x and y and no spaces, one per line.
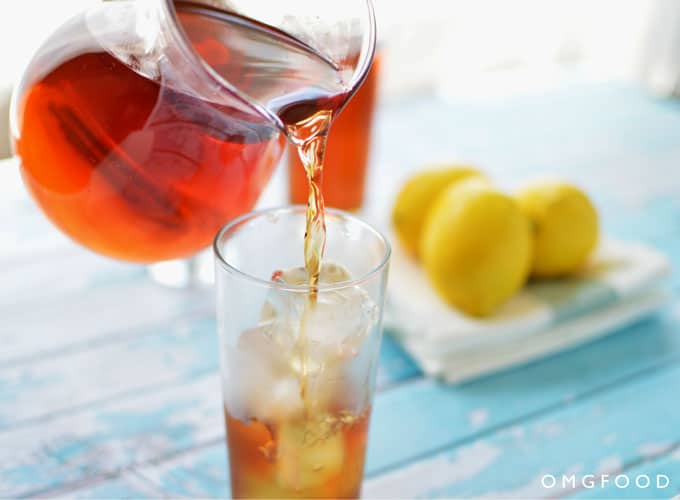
{"x":301,"y":87}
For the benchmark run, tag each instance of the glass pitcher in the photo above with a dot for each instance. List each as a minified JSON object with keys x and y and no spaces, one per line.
{"x":144,"y":126}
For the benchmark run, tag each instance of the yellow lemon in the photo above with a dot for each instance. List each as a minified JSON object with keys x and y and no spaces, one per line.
{"x":476,"y":247}
{"x":417,"y":196}
{"x":565,"y":227}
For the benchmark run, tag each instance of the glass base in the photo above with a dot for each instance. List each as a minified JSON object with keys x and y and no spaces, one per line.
{"x":195,"y":272}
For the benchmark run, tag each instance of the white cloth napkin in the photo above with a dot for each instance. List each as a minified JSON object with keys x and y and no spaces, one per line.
{"x":619,"y":286}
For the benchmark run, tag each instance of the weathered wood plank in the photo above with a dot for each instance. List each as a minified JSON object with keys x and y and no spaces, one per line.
{"x":43,"y":326}
{"x":600,"y":435}
{"x":128,"y":486}
{"x":198,"y":474}
{"x":57,"y":274}
{"x":167,"y":355}
{"x":78,"y":447}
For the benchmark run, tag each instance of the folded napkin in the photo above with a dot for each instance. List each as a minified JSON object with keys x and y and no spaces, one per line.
{"x":617,"y":287}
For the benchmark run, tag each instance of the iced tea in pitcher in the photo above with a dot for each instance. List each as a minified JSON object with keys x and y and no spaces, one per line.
{"x":126,"y":160}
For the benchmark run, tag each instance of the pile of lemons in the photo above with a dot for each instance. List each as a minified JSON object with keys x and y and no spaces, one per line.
{"x":479,"y":245}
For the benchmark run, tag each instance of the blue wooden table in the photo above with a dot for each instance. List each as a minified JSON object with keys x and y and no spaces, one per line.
{"x":109,"y":385}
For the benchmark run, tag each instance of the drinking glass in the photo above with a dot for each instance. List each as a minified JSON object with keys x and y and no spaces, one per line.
{"x":298,"y":368}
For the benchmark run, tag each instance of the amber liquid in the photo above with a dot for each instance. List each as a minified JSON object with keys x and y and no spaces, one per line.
{"x":347,"y":152}
{"x":291,"y":459}
{"x":129,"y":167}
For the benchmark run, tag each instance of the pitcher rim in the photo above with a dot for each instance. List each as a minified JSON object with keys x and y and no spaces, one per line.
{"x":185,"y":43}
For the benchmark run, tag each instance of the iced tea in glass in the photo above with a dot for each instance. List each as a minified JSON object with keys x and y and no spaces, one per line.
{"x":298,"y":377}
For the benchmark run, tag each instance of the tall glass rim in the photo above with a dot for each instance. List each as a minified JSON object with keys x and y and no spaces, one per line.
{"x":182,"y":40}
{"x":232,"y":226}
